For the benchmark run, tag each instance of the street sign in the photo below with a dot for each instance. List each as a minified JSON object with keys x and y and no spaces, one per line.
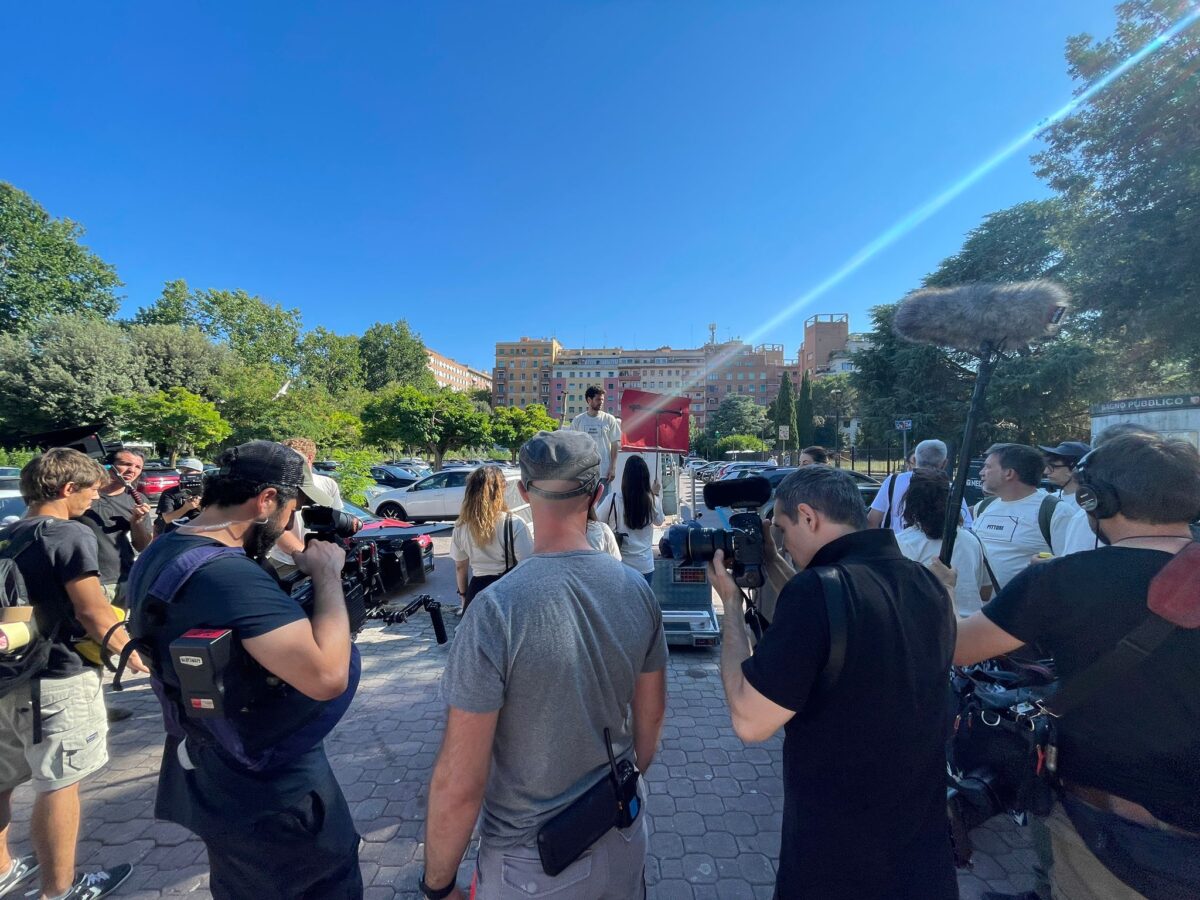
{"x":904,"y":424}
{"x":785,"y":432}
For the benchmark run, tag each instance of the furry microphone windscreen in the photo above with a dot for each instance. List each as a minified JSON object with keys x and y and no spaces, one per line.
{"x":970,"y":316}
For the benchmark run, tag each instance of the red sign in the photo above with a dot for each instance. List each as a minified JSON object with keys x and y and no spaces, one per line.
{"x":654,"y":421}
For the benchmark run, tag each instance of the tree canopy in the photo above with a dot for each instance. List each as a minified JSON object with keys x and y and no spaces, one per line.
{"x":44,"y":269}
{"x":394,"y":354}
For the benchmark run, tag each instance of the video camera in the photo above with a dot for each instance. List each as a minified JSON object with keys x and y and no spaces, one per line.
{"x":742,"y":542}
{"x":362,"y":575}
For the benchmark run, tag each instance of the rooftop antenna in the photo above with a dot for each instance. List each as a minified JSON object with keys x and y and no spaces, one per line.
{"x":712,"y":332}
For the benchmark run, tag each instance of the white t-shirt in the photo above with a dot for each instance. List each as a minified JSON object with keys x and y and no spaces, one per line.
{"x":605,"y":430}
{"x":601,"y":538}
{"x":1080,"y":536}
{"x":966,"y":560}
{"x":489,"y":559}
{"x":880,"y":503}
{"x":638,"y":550}
{"x":333,"y":490}
{"x":1011,"y":535}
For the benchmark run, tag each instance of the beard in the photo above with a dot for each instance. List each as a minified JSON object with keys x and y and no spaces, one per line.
{"x":261,"y":538}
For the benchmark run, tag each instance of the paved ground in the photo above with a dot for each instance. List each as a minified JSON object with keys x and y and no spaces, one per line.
{"x":714,"y":804}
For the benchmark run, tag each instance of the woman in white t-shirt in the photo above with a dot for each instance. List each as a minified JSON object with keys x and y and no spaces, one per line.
{"x":924,"y":512}
{"x":488,"y":540}
{"x":600,"y":536}
{"x":633,"y":513}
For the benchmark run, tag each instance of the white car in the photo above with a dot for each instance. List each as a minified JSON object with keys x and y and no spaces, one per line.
{"x":439,"y":497}
{"x":695,"y":465}
{"x":12,"y":507}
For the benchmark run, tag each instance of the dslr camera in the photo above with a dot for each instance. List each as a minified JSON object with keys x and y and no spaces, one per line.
{"x":191,"y":485}
{"x":742,"y":542}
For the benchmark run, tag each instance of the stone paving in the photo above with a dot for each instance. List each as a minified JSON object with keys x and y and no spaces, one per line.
{"x":714,"y":807}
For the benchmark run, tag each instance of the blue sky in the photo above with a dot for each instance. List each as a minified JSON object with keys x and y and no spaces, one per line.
{"x":611,"y":173}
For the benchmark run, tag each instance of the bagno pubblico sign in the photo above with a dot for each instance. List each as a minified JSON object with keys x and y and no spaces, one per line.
{"x":1147,"y":404}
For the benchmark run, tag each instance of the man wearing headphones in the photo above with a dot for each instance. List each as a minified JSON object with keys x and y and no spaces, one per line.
{"x":1127,"y":820}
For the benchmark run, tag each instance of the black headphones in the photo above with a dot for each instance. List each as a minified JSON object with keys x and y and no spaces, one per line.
{"x":1095,"y":497}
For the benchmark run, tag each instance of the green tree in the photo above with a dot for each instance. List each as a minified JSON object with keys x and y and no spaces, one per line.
{"x":258,"y":331}
{"x":175,"y":356}
{"x":736,"y":414}
{"x":512,"y":426}
{"x":331,"y":361}
{"x":1126,"y":165}
{"x":1014,"y":244}
{"x":436,"y":422}
{"x":174,"y":306}
{"x":785,"y":414}
{"x":354,"y":473}
{"x":739,"y":442}
{"x":44,"y":270}
{"x":63,"y":373}
{"x":805,"y":432}
{"x":175,"y":420}
{"x":394,"y":354}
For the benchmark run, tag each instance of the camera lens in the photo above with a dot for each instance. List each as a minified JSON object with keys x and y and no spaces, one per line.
{"x":689,"y":545}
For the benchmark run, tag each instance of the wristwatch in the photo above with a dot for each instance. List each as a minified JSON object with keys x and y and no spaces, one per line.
{"x":430,"y":894}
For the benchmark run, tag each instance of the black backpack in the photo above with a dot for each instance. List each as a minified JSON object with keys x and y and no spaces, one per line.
{"x":26,"y":651}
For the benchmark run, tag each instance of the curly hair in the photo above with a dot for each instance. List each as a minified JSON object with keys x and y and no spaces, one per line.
{"x":483,"y":503}
{"x":303,"y":446}
{"x":925,"y":501}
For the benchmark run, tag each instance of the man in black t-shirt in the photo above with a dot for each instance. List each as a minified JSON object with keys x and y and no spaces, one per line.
{"x":1129,"y":755}
{"x":60,"y":572}
{"x":120,"y":521}
{"x":864,"y":762}
{"x":177,"y":503}
{"x":254,"y":782}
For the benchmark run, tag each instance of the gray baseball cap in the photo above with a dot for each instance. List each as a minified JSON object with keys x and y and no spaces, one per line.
{"x":563,"y":455}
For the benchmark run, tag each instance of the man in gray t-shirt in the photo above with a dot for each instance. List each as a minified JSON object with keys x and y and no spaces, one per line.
{"x":567,"y":644}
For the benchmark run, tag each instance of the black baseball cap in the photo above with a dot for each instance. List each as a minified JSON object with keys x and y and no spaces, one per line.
{"x":266,"y":462}
{"x":1075,"y":450}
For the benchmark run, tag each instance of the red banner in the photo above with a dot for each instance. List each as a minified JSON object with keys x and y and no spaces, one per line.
{"x":654,"y":421}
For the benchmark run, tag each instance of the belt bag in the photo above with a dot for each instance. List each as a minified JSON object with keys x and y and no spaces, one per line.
{"x":612,"y":802}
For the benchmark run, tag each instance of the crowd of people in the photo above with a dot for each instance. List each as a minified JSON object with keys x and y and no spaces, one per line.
{"x":865,"y":624}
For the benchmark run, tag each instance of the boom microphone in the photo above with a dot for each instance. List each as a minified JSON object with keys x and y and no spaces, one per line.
{"x":974,"y":316}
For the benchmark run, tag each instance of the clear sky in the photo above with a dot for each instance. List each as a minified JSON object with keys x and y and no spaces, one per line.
{"x":613,"y":173}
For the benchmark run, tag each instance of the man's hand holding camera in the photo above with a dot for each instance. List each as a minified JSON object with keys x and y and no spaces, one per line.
{"x":323,"y":560}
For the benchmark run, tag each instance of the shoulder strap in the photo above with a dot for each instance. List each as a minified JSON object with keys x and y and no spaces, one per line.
{"x":1046,"y":516}
{"x":984,"y":504}
{"x":22,"y":542}
{"x":887,"y":518}
{"x":510,"y":552}
{"x":1121,"y":660}
{"x":833,"y":587}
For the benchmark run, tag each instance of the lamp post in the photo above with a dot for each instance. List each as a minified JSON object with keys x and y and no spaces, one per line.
{"x":836,"y":396}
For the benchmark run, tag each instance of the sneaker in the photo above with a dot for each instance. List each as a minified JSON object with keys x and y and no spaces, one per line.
{"x":22,"y":869}
{"x":95,"y":885}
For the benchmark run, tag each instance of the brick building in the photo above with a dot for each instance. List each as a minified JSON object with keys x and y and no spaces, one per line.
{"x":455,"y":375}
{"x":824,"y":335}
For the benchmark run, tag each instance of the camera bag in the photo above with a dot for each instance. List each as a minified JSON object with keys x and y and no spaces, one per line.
{"x":612,"y":802}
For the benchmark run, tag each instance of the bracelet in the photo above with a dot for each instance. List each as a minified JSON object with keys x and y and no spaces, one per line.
{"x":431,"y":894}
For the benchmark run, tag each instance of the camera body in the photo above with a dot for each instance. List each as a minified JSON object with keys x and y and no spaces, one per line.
{"x":191,"y":485}
{"x":742,"y":542}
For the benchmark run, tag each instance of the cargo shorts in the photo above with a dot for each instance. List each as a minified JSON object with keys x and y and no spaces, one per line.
{"x":74,"y":733}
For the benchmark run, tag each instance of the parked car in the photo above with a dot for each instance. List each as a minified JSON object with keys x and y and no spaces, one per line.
{"x":394,"y":476}
{"x":695,"y":465}
{"x":155,"y":480}
{"x":438,"y":497}
{"x":325,"y":466}
{"x":9,"y":472}
{"x":12,"y":507}
{"x":405,"y":551}
{"x":418,"y":467}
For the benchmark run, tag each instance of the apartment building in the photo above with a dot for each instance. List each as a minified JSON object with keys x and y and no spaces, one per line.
{"x":455,"y":375}
{"x":705,"y":375}
{"x":523,"y":371}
